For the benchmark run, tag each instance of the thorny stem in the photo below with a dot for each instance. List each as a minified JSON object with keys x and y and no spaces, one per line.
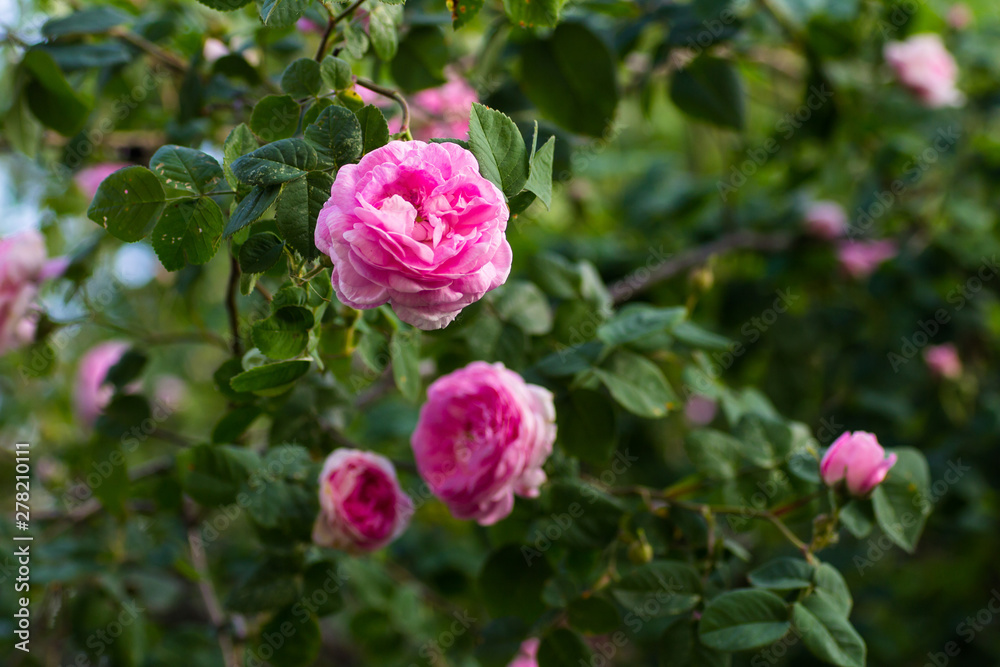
{"x":404,"y":129}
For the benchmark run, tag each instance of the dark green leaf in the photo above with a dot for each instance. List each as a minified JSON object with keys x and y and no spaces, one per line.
{"x":587,"y":425}
{"x":127,"y":369}
{"x":275,"y":117}
{"x":271,"y":585}
{"x":50,"y":97}
{"x":84,"y":22}
{"x":225,"y":5}
{"x":637,"y":384}
{"x":251,"y":208}
{"x":72,"y":57}
{"x":275,"y":376}
{"x":260,"y":252}
{"x":212,"y":474}
{"x":186,"y":169}
{"x":463,"y":11}
{"x":510,"y":586}
{"x":680,"y":647}
{"x":234,"y":423}
{"x":128,"y":203}
{"x":322,"y":583}
{"x":278,"y":162}
{"x":285,"y":333}
{"x":714,"y":453}
{"x":900,"y":504}
{"x":336,"y":136}
{"x":563,"y":648}
{"x":540,"y":172}
{"x":298,"y":208}
{"x":336,"y":73}
{"x":783,"y":574}
{"x":188,"y":232}
{"x":374,"y":129}
{"x":710,"y":89}
{"x":593,"y":616}
{"x":302,"y":78}
{"x":828,"y":634}
{"x":637,"y":320}
{"x":744,"y":620}
{"x":525,"y":306}
{"x":765,"y":442}
{"x":420,"y":59}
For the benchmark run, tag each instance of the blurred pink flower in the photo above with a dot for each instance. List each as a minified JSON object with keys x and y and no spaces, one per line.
{"x":306,"y":24}
{"x":362,"y":507}
{"x":860,"y":258}
{"x":943,"y":360}
{"x":214,"y":49}
{"x":171,"y":391}
{"x":24,"y":266}
{"x":959,"y":16}
{"x":89,"y":178}
{"x":527,"y":656}
{"x":700,"y":410}
{"x":92,"y":392}
{"x":858,"y":460}
{"x":923,"y":64}
{"x":826,"y":220}
{"x":443,"y":112}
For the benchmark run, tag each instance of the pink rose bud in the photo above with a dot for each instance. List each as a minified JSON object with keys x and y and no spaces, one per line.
{"x":959,"y":16}
{"x":362,"y":507}
{"x":860,"y":258}
{"x":415,"y":225}
{"x":943,"y":361}
{"x":482,"y":436}
{"x":700,"y":410}
{"x":92,"y":392}
{"x":858,"y":459}
{"x":89,"y":179}
{"x":443,"y":111}
{"x":923,"y":65}
{"x":527,"y":655}
{"x":24,"y":265}
{"x":826,"y":220}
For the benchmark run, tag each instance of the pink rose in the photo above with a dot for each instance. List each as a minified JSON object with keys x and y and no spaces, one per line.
{"x":92,"y":392}
{"x":89,"y":179}
{"x":923,"y":65}
{"x":482,"y":436}
{"x":857,"y":458}
{"x":826,"y":220}
{"x":943,"y":360}
{"x":362,"y":507}
{"x":415,"y":225}
{"x":306,"y":24}
{"x":527,"y":655}
{"x":24,"y":265}
{"x":860,"y":258}
{"x":700,"y":410}
{"x":443,"y":111}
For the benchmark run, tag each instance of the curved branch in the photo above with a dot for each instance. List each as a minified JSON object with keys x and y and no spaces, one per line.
{"x":388,"y":92}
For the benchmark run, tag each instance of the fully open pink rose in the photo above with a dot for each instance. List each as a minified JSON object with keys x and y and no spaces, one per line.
{"x":415,"y":225}
{"x":943,"y":360}
{"x":24,"y":265}
{"x":857,"y":459}
{"x":92,"y":392}
{"x":362,"y":507}
{"x":860,"y":258}
{"x":89,"y":179}
{"x":527,"y":655}
{"x":482,"y":436}
{"x":923,"y":64}
{"x":826,"y":220}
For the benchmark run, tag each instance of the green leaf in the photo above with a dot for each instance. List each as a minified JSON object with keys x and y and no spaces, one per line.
{"x":637,"y":320}
{"x":765,"y":442}
{"x":510,"y":586}
{"x":374,"y":129}
{"x":539,"y":180}
{"x":186,"y":169}
{"x":260,"y":252}
{"x":744,"y":620}
{"x":531,"y":13}
{"x":336,"y":136}
{"x":675,"y":586}
{"x":270,"y":376}
{"x":593,"y":516}
{"x":285,"y":333}
{"x":298,"y":209}
{"x":302,"y":78}
{"x":225,"y":5}
{"x":282,"y":13}
{"x":235,"y":422}
{"x":710,"y":89}
{"x":714,"y":453}
{"x":50,"y":97}
{"x":900,"y":504}
{"x":84,"y":22}
{"x":420,"y":59}
{"x":269,"y":586}
{"x":695,"y":336}
{"x":827,"y":634}
{"x":593,"y":616}
{"x":278,"y":162}
{"x":213,"y":474}
{"x":189,"y":232}
{"x":679,"y":647}
{"x":128,"y":203}
{"x":783,"y":574}
{"x":251,"y":208}
{"x":122,"y":415}
{"x":275,"y":117}
{"x":127,"y":369}
{"x":383,"y":33}
{"x":323,"y":582}
{"x":405,"y":350}
{"x":563,"y":648}
{"x":587,"y":426}
{"x":525,"y":306}
{"x":336,"y":73}
{"x":239,"y":142}
{"x":497,"y":144}
{"x":830,"y":584}
{"x":355,"y":40}
{"x":570,"y":77}
{"x":857,"y":517}
{"x":463,"y":11}
{"x":303,"y":638}
{"x":73,"y":57}
{"x":637,"y":384}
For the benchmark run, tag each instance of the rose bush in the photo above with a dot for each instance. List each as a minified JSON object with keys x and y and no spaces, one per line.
{"x":526,"y":333}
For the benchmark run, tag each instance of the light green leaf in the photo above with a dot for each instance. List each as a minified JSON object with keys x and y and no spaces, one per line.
{"x":275,"y":117}
{"x":539,"y":180}
{"x":285,"y":333}
{"x":828,"y":634}
{"x":239,"y":142}
{"x":637,"y":384}
{"x":783,"y":574}
{"x":714,"y":453}
{"x":270,"y":376}
{"x":302,"y":78}
{"x":405,"y":351}
{"x":497,"y":144}
{"x":336,"y":73}
{"x":282,"y":13}
{"x":901,"y":509}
